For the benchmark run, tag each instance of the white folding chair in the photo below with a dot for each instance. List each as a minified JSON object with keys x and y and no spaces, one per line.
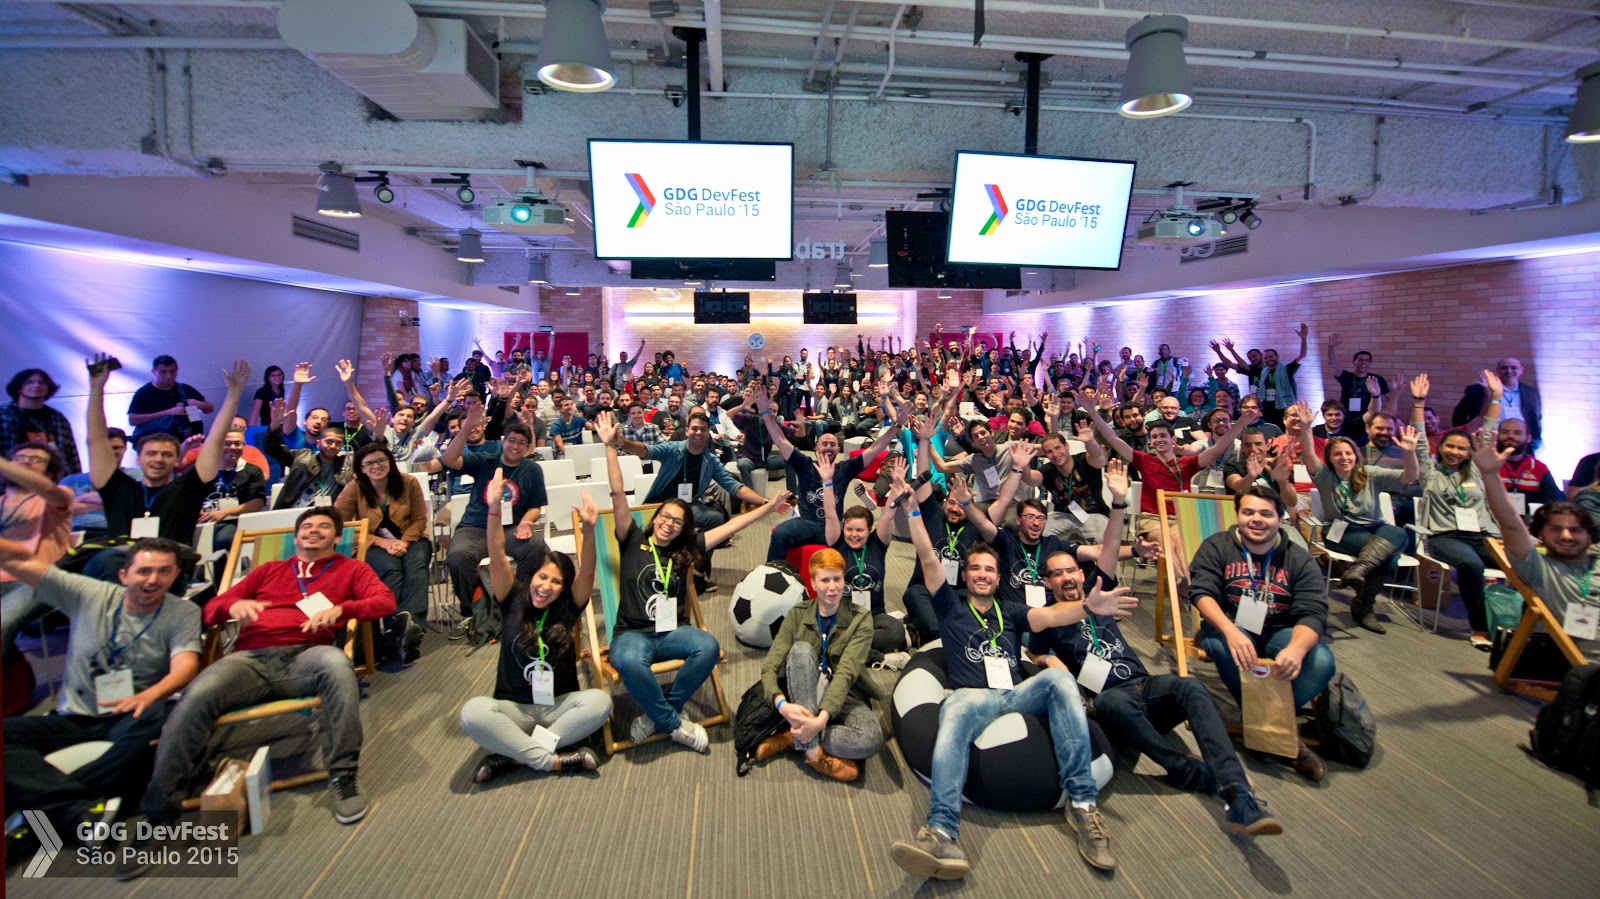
{"x":559,"y":471}
{"x":545,"y":452}
{"x":1422,"y":534}
{"x":1318,"y":519}
{"x":560,"y":500}
{"x":584,"y":453}
{"x":272,"y":500}
{"x":630,"y":464}
{"x":641,"y":483}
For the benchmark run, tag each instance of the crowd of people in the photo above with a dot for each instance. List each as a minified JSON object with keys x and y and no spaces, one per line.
{"x":1008,"y":470}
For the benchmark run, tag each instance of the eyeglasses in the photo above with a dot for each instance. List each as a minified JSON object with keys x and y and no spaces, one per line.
{"x":672,"y":520}
{"x":31,"y":459}
{"x":374,"y":464}
{"x":513,"y":441}
{"x":1035,"y":516}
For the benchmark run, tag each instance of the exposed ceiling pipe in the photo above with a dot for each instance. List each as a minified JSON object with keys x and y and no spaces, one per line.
{"x":888,"y":71}
{"x":842,"y":41}
{"x":816,"y":47}
{"x":642,"y":16}
{"x":156,"y":42}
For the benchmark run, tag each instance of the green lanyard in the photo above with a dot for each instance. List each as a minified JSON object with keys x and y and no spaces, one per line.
{"x":540,"y":634}
{"x":1094,"y":635}
{"x":1345,"y":497}
{"x":1461,"y":492}
{"x":994,"y":641}
{"x":952,"y":538}
{"x":665,"y":579}
{"x":1033,"y":563}
{"x":861,"y":560}
{"x":1584,"y":595}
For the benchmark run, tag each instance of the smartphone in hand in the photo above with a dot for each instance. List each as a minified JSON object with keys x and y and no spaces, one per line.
{"x":109,"y":364}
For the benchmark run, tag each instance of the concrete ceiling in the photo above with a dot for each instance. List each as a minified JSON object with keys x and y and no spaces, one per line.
{"x":1441,"y":105}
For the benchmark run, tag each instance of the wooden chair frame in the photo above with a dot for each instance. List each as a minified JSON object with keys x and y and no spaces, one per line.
{"x":598,"y":653}
{"x":1168,"y":602}
{"x":219,"y":640}
{"x":1534,"y":612}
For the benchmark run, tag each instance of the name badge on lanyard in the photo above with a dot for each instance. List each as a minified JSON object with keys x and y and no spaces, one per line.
{"x":665,"y":612}
{"x":952,"y":571}
{"x":1252,"y":614}
{"x":686,"y":492}
{"x":991,"y":476}
{"x":1582,"y":621}
{"x":542,"y":678}
{"x":147,"y":526}
{"x":115,"y":687}
{"x":1034,"y":595}
{"x":1467,"y":520}
{"x":997,"y":672}
{"x":861,"y":599}
{"x":1092,"y":676}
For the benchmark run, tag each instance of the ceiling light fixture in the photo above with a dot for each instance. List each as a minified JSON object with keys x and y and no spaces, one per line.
{"x":1583,"y":126}
{"x":573,"y":53}
{"x":841,"y":275}
{"x":1250,"y":219}
{"x":1157,"y":79}
{"x":470,"y":249}
{"x":944,"y":293}
{"x":464,"y":192}
{"x":538,"y":270}
{"x":878,"y":253}
{"x":336,"y":193}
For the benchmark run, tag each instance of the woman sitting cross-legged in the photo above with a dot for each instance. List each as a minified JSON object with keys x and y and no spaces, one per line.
{"x":398,"y":549}
{"x":651,"y":616}
{"x":822,"y":649}
{"x":537,"y":708}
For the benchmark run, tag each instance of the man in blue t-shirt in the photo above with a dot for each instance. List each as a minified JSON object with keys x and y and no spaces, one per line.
{"x":521,"y":502}
{"x":982,"y":636}
{"x":567,"y":427}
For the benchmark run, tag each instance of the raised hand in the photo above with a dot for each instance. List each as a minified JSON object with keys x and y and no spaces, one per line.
{"x":897,"y":471}
{"x":926,"y":427}
{"x":474,"y":417}
{"x":1248,"y":416}
{"x":605,"y":428}
{"x":1118,"y":602}
{"x":1302,"y":331}
{"x":1115,"y":476}
{"x":1227,"y":342}
{"x":1408,"y":439}
{"x":1255,"y":465}
{"x":959,"y":490}
{"x":388,"y":363}
{"x":302,"y":373}
{"x":346,"y":370}
{"x":588,"y":513}
{"x":1022,"y":453}
{"x":1492,"y":382}
{"x":99,"y":370}
{"x":380,"y":418}
{"x":782,"y":503}
{"x":1486,"y":454}
{"x":825,"y":469}
{"x":280,"y":411}
{"x":1333,"y":341}
{"x":1282,"y":464}
{"x":237,"y":377}
{"x":1419,"y":387}
{"x":1306,"y":416}
{"x":1372,"y":385}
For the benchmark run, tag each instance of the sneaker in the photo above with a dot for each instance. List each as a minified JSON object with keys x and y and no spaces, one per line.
{"x":1093,"y":843}
{"x":349,"y":803}
{"x":832,"y":767}
{"x":1249,"y":816}
{"x":411,"y":640}
{"x":931,"y":854}
{"x":493,"y":766}
{"x":691,"y":735}
{"x":1310,"y":765}
{"x":774,"y":746}
{"x":460,"y":631}
{"x":895,"y":661}
{"x":642,"y":729}
{"x":138,"y":856}
{"x":582,"y":759}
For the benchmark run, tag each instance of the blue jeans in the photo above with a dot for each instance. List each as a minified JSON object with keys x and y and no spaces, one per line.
{"x":792,"y":533}
{"x":747,"y":467}
{"x":1356,"y":536}
{"x":632,"y":654}
{"x":1315,"y":671}
{"x":1051,"y":694}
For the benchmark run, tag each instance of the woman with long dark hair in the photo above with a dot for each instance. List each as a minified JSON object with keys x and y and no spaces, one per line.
{"x":271,"y":389}
{"x":398,"y":549}
{"x":1453,"y":510}
{"x":652,"y":622}
{"x":537,"y":708}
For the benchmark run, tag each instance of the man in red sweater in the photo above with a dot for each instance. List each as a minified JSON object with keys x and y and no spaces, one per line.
{"x":289,"y":613}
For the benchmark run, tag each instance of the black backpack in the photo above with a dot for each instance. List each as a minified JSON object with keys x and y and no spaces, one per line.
{"x":1349,"y":732}
{"x":1566,"y":735}
{"x":754,"y":722}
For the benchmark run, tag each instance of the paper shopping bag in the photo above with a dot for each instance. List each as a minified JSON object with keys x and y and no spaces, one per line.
{"x":1269,"y":714}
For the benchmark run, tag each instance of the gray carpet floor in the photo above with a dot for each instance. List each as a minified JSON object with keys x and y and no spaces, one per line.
{"x":1450,"y":806}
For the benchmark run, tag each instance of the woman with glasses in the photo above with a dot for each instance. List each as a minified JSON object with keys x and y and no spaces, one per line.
{"x":652,"y":622}
{"x":398,"y":549}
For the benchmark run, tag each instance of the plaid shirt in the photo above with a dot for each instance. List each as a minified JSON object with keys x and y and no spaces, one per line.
{"x":647,"y":434}
{"x":15,"y":428}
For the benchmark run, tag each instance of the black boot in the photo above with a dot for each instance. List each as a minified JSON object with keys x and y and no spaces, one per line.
{"x":1375,"y":553}
{"x":581,"y":759}
{"x":1361,"y":607}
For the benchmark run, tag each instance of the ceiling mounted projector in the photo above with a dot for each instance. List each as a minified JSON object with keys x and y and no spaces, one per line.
{"x":527,"y":215}
{"x":1179,"y":227}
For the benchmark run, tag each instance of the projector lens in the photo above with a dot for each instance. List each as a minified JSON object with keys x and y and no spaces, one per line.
{"x":1196,"y":227}
{"x":521,"y":213}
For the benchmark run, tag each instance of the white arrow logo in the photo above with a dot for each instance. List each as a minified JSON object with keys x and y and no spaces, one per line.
{"x":49,"y":843}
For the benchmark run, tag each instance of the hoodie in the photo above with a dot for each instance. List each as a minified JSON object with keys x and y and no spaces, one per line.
{"x":1295,"y":584}
{"x":347,"y":583}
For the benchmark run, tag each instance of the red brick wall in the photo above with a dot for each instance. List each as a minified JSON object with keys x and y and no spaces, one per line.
{"x":381,"y":333}
{"x":1448,"y":322}
{"x":570,"y":315}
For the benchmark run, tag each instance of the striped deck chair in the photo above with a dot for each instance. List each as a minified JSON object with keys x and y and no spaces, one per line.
{"x":252,"y":548}
{"x":608,"y":579}
{"x":1198,"y":516}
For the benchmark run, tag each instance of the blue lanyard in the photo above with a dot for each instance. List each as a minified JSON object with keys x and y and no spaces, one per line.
{"x":6,"y":520}
{"x":1266,"y":570}
{"x":113,"y":651}
{"x":822,"y":659}
{"x":149,"y":498}
{"x":305,"y":583}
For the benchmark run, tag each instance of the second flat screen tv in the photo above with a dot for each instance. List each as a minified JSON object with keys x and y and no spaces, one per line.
{"x":692,"y":200}
{"x":1038,"y":210}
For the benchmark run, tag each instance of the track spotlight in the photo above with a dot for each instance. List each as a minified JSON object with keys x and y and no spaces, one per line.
{"x":1583,"y":126}
{"x":1250,"y":219}
{"x":1228,"y":216}
{"x":471,"y":247}
{"x":878,"y":253}
{"x":573,"y":53}
{"x":538,"y":271}
{"x":1157,"y":80}
{"x":464,"y":192}
{"x":384,"y":193}
{"x":336,"y":193}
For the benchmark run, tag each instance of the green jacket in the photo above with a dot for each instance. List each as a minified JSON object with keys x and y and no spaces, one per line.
{"x":847,"y":653}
